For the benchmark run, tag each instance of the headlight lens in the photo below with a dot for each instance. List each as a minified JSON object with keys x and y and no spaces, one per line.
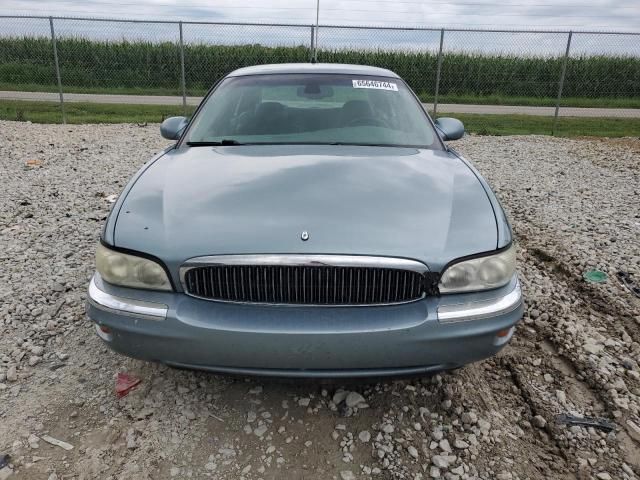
{"x":482,"y":273}
{"x":130,"y":271}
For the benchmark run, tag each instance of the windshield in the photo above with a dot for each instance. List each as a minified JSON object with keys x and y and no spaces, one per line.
{"x":312,"y":109}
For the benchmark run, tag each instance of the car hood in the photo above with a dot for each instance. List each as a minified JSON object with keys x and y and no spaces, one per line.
{"x":404,"y":202}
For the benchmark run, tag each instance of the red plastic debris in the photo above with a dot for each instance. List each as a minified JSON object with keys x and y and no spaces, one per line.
{"x":125,"y":383}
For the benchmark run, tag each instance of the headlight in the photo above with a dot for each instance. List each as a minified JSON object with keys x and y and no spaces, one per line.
{"x":130,"y":271}
{"x":482,"y":273}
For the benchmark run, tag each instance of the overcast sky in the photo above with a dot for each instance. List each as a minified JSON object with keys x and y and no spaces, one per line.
{"x":558,"y":14}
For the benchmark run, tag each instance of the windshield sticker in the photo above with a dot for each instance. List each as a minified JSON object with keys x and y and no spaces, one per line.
{"x":375,"y":84}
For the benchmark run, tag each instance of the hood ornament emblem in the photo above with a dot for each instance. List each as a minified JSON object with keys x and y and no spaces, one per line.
{"x":304,"y":236}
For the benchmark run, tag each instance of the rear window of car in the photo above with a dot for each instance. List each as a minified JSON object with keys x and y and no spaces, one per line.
{"x":313,"y":109}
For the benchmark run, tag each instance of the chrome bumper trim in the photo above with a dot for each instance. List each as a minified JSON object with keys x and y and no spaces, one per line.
{"x":125,"y":306}
{"x":463,"y":312}
{"x":310,"y":260}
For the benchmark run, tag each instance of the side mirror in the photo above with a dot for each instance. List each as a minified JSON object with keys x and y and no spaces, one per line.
{"x":450,"y":128}
{"x":172,"y":127}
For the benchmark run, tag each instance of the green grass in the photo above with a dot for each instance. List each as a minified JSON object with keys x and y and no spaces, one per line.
{"x":36,"y":87}
{"x":537,"y":125}
{"x":154,"y":68}
{"x":47,"y":112}
{"x":601,"y":102}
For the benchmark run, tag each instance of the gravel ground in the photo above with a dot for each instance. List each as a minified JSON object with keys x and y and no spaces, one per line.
{"x":574,"y":205}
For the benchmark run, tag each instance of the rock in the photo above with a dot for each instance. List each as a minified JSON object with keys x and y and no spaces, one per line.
{"x":444,"y":445}
{"x":437,"y":435}
{"x":260,"y":431}
{"x":561,"y":396}
{"x":504,"y":476}
{"x":460,"y":444}
{"x":634,"y":430}
{"x":484,"y":425}
{"x":469,"y":417}
{"x":256,"y":390}
{"x":227,"y":452}
{"x":388,"y":428}
{"x":189,"y":415}
{"x":459,"y":470}
{"x":434,"y":472}
{"x":440,"y":461}
{"x":628,"y":470}
{"x":548,"y":378}
{"x":12,"y":374}
{"x":628,"y":363}
{"x":354,"y":399}
{"x":603,"y":476}
{"x":539,"y":421}
{"x":174,"y":472}
{"x":251,"y":416}
{"x":5,"y":473}
{"x":304,"y":402}
{"x":593,"y":347}
{"x":339,"y":396}
{"x":37,"y":350}
{"x":33,"y":441}
{"x":412,"y":451}
{"x":347,"y":475}
{"x":56,"y":442}
{"x":364,"y":436}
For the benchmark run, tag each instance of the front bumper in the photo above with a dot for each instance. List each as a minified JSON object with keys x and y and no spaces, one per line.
{"x":428,"y":335}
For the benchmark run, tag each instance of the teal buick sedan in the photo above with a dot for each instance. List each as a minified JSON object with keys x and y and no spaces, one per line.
{"x":310,"y":221}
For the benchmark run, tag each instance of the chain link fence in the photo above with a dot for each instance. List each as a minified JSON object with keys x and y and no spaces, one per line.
{"x":464,"y":72}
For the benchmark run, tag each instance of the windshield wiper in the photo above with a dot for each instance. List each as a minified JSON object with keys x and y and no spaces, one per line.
{"x":223,"y":142}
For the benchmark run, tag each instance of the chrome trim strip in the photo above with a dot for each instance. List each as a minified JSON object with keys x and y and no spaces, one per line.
{"x":125,"y":306}
{"x":463,"y":312}
{"x":292,"y":260}
{"x":307,"y":260}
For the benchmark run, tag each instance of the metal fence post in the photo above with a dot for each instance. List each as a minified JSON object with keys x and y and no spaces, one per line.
{"x":55,"y":59}
{"x":435,"y":98}
{"x":317,"y":29}
{"x":313,"y":57}
{"x":182,"y":76}
{"x":561,"y":83}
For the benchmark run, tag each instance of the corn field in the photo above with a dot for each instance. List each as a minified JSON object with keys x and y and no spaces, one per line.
{"x":154,"y":68}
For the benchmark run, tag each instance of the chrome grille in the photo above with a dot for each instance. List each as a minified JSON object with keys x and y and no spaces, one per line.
{"x":311,"y":283}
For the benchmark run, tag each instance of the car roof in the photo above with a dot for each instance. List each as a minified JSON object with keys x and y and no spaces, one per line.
{"x":336,"y":68}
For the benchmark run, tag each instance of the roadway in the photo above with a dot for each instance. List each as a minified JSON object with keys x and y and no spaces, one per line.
{"x":443,"y":107}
